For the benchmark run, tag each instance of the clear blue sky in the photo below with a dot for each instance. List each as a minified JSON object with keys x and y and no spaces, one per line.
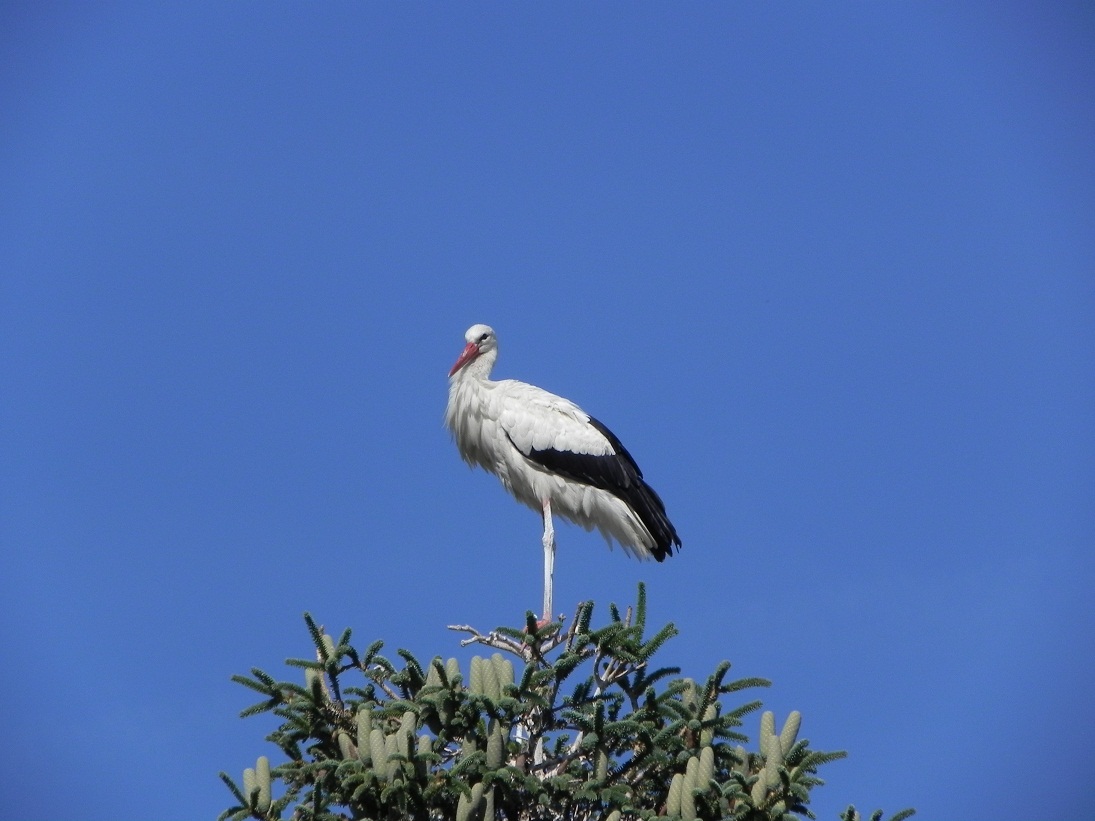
{"x":828,"y":272}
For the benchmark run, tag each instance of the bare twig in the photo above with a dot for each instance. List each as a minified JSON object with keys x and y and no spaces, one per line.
{"x":525,"y":651}
{"x":492,"y":639}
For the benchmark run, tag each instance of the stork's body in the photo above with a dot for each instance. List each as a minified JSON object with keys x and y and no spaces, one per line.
{"x":552,"y":456}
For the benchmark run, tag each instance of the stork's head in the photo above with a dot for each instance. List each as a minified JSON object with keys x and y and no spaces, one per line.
{"x":481,"y":340}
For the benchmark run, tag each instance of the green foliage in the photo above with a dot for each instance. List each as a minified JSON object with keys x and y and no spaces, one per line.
{"x":584,"y":726}
{"x":851,"y":814}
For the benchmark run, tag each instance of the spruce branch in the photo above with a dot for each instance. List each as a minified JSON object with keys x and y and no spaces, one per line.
{"x":576,"y":723}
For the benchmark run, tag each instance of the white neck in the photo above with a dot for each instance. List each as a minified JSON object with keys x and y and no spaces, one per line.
{"x":479,"y":368}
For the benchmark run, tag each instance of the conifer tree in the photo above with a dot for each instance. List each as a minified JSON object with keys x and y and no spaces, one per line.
{"x":576,"y":723}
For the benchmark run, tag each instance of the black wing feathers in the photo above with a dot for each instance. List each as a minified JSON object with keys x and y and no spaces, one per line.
{"x":619,"y":475}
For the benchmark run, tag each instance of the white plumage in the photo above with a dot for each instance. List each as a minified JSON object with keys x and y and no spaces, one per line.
{"x":552,"y":456}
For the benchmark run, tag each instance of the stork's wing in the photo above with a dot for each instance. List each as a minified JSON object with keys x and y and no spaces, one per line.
{"x":559,"y":436}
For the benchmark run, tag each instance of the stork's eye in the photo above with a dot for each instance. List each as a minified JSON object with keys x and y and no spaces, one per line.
{"x":483,"y":338}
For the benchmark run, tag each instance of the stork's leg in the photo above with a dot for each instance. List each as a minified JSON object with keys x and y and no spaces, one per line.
{"x":549,"y":561}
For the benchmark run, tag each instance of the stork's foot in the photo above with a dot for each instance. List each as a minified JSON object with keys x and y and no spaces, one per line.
{"x":534,"y":625}
{"x":538,"y":625}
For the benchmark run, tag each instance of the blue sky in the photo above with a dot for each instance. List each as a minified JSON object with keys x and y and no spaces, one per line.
{"x":828,"y":272}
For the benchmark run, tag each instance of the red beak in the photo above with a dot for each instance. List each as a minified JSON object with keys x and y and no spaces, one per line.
{"x":471,"y":350}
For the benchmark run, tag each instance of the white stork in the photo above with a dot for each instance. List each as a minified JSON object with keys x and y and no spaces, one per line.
{"x":552,"y":456}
